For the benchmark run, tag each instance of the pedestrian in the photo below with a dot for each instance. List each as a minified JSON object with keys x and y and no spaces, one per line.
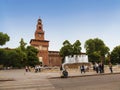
{"x":82,"y":68}
{"x":61,"y":69}
{"x":26,"y":68}
{"x":65,"y":73}
{"x":36,"y":69}
{"x":96,"y":67}
{"x":39,"y":68}
{"x":102,"y":67}
{"x":110,"y":67}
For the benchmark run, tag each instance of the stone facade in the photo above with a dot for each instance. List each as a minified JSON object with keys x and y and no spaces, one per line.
{"x":54,"y":58}
{"x":49,"y":58}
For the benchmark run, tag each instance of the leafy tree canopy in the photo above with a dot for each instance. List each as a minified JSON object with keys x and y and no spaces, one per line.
{"x":69,"y":49}
{"x":32,"y":56}
{"x":115,"y":55}
{"x":3,"y":38}
{"x":22,"y":44}
{"x":66,"y":49}
{"x":96,"y":49}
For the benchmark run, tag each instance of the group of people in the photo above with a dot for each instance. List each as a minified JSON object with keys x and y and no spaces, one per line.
{"x":37,"y":68}
{"x":99,"y":67}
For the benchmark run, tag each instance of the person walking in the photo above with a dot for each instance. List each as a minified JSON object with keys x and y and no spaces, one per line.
{"x":96,"y":67}
{"x":26,"y":68}
{"x":61,"y":70}
{"x":82,"y":68}
{"x":102,"y":67}
{"x":110,"y":67}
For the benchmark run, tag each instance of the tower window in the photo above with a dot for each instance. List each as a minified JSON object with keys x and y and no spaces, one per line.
{"x":39,"y":35}
{"x":39,"y":27}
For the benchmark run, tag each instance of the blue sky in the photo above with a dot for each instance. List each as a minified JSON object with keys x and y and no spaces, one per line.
{"x":62,"y":20}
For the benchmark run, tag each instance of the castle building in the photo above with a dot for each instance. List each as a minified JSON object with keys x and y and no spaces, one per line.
{"x":48,"y":58}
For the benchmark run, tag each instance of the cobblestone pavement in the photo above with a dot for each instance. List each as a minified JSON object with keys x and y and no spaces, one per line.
{"x":50,"y":80}
{"x":100,"y":82}
{"x":21,"y":80}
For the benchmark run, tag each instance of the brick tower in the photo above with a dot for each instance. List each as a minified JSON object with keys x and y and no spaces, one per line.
{"x":40,"y":43}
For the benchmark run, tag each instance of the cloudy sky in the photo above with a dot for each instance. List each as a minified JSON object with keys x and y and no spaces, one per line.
{"x":62,"y":20}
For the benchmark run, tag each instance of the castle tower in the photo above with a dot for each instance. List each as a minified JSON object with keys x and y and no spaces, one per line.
{"x":40,"y":43}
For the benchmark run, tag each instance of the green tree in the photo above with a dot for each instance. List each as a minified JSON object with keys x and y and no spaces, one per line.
{"x":2,"y":56}
{"x":21,"y":50}
{"x":10,"y":58}
{"x":66,"y":49}
{"x":115,"y":55}
{"x":96,"y":50}
{"x":76,"y":47}
{"x":107,"y":59}
{"x":22,"y":44}
{"x":69,"y":49}
{"x":32,"y":58}
{"x":3,"y":38}
{"x":22,"y":56}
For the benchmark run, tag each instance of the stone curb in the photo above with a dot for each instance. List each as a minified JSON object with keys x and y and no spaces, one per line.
{"x":86,"y":75}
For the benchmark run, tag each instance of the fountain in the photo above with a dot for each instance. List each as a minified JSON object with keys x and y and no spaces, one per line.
{"x":75,"y":61}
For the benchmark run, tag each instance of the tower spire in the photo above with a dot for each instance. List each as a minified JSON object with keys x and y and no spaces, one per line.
{"x":39,"y":33}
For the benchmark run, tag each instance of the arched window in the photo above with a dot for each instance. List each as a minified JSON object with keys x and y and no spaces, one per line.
{"x":39,"y":27}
